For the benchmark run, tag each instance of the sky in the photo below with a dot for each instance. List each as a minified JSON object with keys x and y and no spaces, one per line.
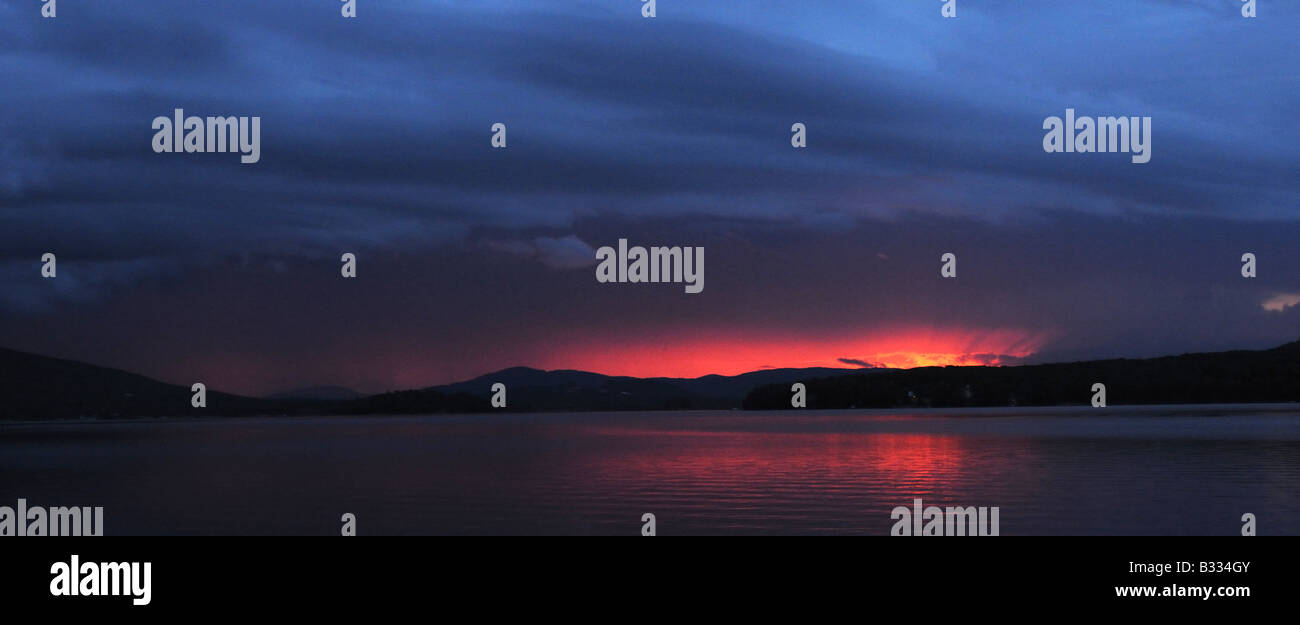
{"x":924,"y":137}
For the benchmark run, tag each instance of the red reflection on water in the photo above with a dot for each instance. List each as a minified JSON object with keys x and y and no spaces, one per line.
{"x":754,"y":461}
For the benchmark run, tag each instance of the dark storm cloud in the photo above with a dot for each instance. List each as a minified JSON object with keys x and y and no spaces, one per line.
{"x":860,"y":363}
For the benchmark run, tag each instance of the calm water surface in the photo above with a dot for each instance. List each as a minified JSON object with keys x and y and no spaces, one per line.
{"x":1158,"y":470}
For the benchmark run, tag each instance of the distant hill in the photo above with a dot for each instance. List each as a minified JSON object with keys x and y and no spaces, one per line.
{"x":318,"y":393}
{"x":535,"y":390}
{"x":734,"y":388}
{"x":36,"y":387}
{"x":1223,"y":377}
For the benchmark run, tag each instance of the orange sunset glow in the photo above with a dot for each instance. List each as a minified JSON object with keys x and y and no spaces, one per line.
{"x":700,"y":355}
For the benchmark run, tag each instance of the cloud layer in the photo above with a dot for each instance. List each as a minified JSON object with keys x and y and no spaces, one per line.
{"x":924,"y":137}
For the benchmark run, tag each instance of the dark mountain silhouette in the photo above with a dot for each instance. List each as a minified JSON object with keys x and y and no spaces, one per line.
{"x":1222,"y":377}
{"x":319,"y":393}
{"x":738,"y":386}
{"x":530,"y":390}
{"x":39,"y":387}
{"x":36,"y":387}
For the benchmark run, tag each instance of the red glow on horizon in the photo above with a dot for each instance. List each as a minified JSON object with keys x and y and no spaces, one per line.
{"x":729,"y":355}
{"x":655,"y":353}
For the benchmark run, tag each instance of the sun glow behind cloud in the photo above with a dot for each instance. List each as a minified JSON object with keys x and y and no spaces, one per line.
{"x":1281,"y":302}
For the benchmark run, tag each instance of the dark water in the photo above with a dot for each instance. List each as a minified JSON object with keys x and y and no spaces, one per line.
{"x":1167,"y":470}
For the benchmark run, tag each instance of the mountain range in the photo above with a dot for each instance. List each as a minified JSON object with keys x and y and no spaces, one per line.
{"x":34,"y":388}
{"x":1241,"y":376}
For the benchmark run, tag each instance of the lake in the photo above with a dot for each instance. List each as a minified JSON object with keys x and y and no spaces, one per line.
{"x":1118,"y":470}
